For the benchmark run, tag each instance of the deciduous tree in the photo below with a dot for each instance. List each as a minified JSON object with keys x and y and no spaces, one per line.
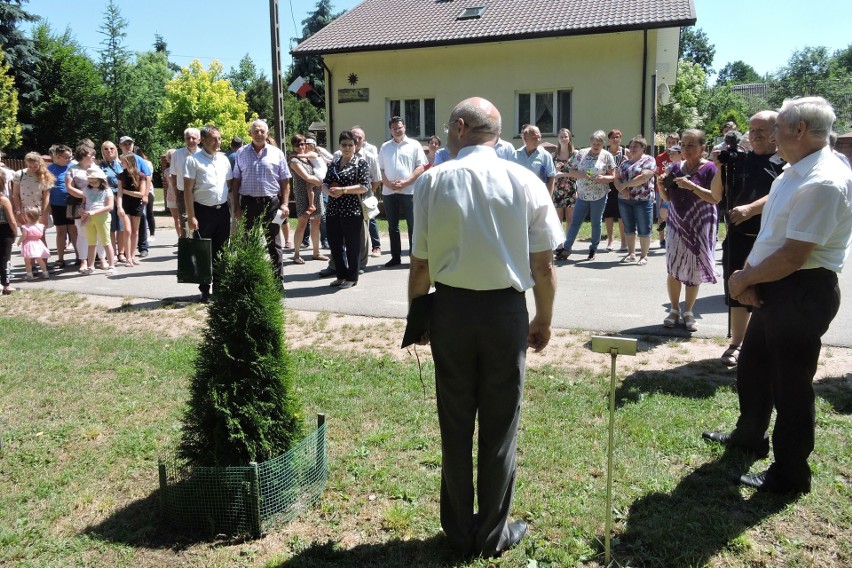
{"x":310,"y":67}
{"x":197,"y":96}
{"x":21,"y":57}
{"x":738,"y":73}
{"x":10,"y":130}
{"x":696,"y":48}
{"x":72,"y":92}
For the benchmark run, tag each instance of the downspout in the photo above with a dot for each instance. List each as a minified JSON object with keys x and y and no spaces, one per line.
{"x":644,"y":80}
{"x":329,"y":101}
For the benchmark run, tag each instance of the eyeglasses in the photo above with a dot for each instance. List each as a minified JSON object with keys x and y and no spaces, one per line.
{"x":447,"y":126}
{"x":350,"y":145}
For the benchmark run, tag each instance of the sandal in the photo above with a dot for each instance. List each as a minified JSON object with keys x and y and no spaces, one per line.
{"x":319,"y":257}
{"x":298,"y":260}
{"x":731,"y":355}
{"x":629,"y":259}
{"x":121,"y":257}
{"x":671,"y":319}
{"x":59,"y":264}
{"x":642,"y":261}
{"x":689,"y":321}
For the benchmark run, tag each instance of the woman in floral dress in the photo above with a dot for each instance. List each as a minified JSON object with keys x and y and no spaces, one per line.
{"x":565,"y":192}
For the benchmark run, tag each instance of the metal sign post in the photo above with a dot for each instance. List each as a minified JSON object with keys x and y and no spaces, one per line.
{"x":615,"y":346}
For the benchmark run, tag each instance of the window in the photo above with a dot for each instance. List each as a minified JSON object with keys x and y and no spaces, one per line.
{"x":419,"y":115}
{"x":549,"y":110}
{"x":471,"y":13}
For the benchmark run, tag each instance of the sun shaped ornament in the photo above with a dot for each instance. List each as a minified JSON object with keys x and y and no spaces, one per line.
{"x":353,"y":79}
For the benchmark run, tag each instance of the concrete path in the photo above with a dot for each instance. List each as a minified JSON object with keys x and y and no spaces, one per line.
{"x":601,"y":296}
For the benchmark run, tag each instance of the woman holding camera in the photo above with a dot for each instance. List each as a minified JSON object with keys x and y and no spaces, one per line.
{"x":690,"y":229}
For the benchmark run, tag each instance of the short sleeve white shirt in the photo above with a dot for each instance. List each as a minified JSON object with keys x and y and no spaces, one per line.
{"x":178,"y":162}
{"x":810,"y":201}
{"x":399,"y":160}
{"x":211,"y":175}
{"x":477,"y":219}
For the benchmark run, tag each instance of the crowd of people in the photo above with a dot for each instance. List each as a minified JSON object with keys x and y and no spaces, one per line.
{"x":785,"y":196}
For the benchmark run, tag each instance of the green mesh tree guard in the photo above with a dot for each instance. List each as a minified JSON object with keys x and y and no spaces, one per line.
{"x":249,"y":500}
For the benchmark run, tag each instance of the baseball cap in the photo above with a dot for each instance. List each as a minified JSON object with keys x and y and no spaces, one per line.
{"x":310,"y":142}
{"x":675,"y":148}
{"x":124,"y":139}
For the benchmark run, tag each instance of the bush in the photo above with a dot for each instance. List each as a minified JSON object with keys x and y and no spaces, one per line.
{"x":242,"y":407}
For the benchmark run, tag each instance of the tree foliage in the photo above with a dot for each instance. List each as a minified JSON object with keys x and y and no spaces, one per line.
{"x":72,"y":92}
{"x":10,"y":130}
{"x":813,"y":72}
{"x":720,"y":105}
{"x":696,"y":48}
{"x":21,"y":57}
{"x":737,"y":73}
{"x":310,"y":67}
{"x":246,"y":79}
{"x":242,"y":405}
{"x":683,"y":108}
{"x":196,"y":97}
{"x":299,"y":113}
{"x":147,"y":78}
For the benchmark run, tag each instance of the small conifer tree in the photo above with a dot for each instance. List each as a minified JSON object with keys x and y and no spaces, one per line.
{"x":242,"y":407}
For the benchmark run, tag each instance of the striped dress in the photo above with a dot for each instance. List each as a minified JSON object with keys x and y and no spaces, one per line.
{"x":691,"y":230}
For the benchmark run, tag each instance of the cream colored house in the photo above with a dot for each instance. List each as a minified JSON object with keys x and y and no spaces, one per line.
{"x":583,"y":65}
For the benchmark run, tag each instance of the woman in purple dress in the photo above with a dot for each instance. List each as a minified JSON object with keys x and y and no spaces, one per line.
{"x":691,"y":228}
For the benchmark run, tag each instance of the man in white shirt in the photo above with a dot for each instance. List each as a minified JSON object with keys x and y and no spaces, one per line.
{"x":401,"y":161}
{"x":191,"y":137}
{"x":790,"y":278}
{"x":206,"y":182}
{"x":483,"y":234}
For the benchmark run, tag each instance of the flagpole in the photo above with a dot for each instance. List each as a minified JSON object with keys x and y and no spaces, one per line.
{"x":277,"y":94}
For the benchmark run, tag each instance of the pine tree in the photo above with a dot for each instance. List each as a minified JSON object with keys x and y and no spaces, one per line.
{"x":242,"y":406}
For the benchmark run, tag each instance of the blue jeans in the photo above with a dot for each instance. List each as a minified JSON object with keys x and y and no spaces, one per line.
{"x":582,"y":208}
{"x":392,"y":207}
{"x":636,"y":214}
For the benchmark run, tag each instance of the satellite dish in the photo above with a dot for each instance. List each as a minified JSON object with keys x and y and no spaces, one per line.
{"x":664,"y":95}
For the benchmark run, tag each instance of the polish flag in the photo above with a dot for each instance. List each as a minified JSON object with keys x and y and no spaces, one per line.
{"x":300,"y":87}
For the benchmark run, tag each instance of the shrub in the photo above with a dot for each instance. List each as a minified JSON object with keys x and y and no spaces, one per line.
{"x":242,"y":407}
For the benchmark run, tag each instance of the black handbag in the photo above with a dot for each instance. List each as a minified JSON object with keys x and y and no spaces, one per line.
{"x":72,"y":207}
{"x":195,"y":260}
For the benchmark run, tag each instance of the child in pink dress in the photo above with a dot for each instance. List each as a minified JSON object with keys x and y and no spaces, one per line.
{"x":32,"y":246}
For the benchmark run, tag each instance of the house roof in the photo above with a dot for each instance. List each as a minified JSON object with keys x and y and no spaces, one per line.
{"x":404,"y":24}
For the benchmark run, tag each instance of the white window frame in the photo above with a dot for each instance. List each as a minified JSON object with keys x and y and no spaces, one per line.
{"x":422,"y":107}
{"x":558,"y":120}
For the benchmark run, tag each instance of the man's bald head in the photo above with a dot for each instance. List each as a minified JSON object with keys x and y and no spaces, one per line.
{"x":478,"y":123}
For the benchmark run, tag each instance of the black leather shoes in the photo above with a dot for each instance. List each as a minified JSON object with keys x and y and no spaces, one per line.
{"x":393,"y":262}
{"x":768,"y":483}
{"x":726,"y":440}
{"x":517,"y":530}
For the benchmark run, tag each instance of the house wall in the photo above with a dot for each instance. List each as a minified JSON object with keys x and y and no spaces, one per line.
{"x":604,"y":73}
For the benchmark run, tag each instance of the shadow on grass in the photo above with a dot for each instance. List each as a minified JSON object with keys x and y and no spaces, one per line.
{"x":136,"y":524}
{"x":836,"y":391}
{"x":431,"y":552}
{"x":697,"y":379}
{"x":705,"y":514}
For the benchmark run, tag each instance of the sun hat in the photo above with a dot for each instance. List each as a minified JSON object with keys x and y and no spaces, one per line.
{"x":96,"y":172}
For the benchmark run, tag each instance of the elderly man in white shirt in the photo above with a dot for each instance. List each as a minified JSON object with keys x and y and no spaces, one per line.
{"x":401,"y":161}
{"x":483,"y":234}
{"x":790,"y":278}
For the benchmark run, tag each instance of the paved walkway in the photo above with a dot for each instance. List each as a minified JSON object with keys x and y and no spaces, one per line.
{"x":600,"y":296}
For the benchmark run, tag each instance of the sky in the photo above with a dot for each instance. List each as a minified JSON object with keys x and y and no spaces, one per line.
{"x":739,"y":29}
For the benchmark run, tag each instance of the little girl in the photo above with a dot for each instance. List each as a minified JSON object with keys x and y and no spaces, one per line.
{"x":97,"y":203}
{"x":32,"y":246}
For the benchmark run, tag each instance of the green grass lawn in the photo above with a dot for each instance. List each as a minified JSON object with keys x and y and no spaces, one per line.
{"x":87,"y":411}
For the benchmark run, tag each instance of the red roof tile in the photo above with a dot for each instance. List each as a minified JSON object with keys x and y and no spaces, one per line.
{"x":399,"y":24}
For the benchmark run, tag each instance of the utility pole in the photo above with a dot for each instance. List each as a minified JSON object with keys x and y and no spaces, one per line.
{"x":277,"y":93}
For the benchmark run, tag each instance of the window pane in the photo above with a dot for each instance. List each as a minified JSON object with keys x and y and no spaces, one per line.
{"x":523,"y":112}
{"x":563,"y":109}
{"x":544,"y":112}
{"x":394,"y":109}
{"x":412,"y":118}
{"x":429,"y":112}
